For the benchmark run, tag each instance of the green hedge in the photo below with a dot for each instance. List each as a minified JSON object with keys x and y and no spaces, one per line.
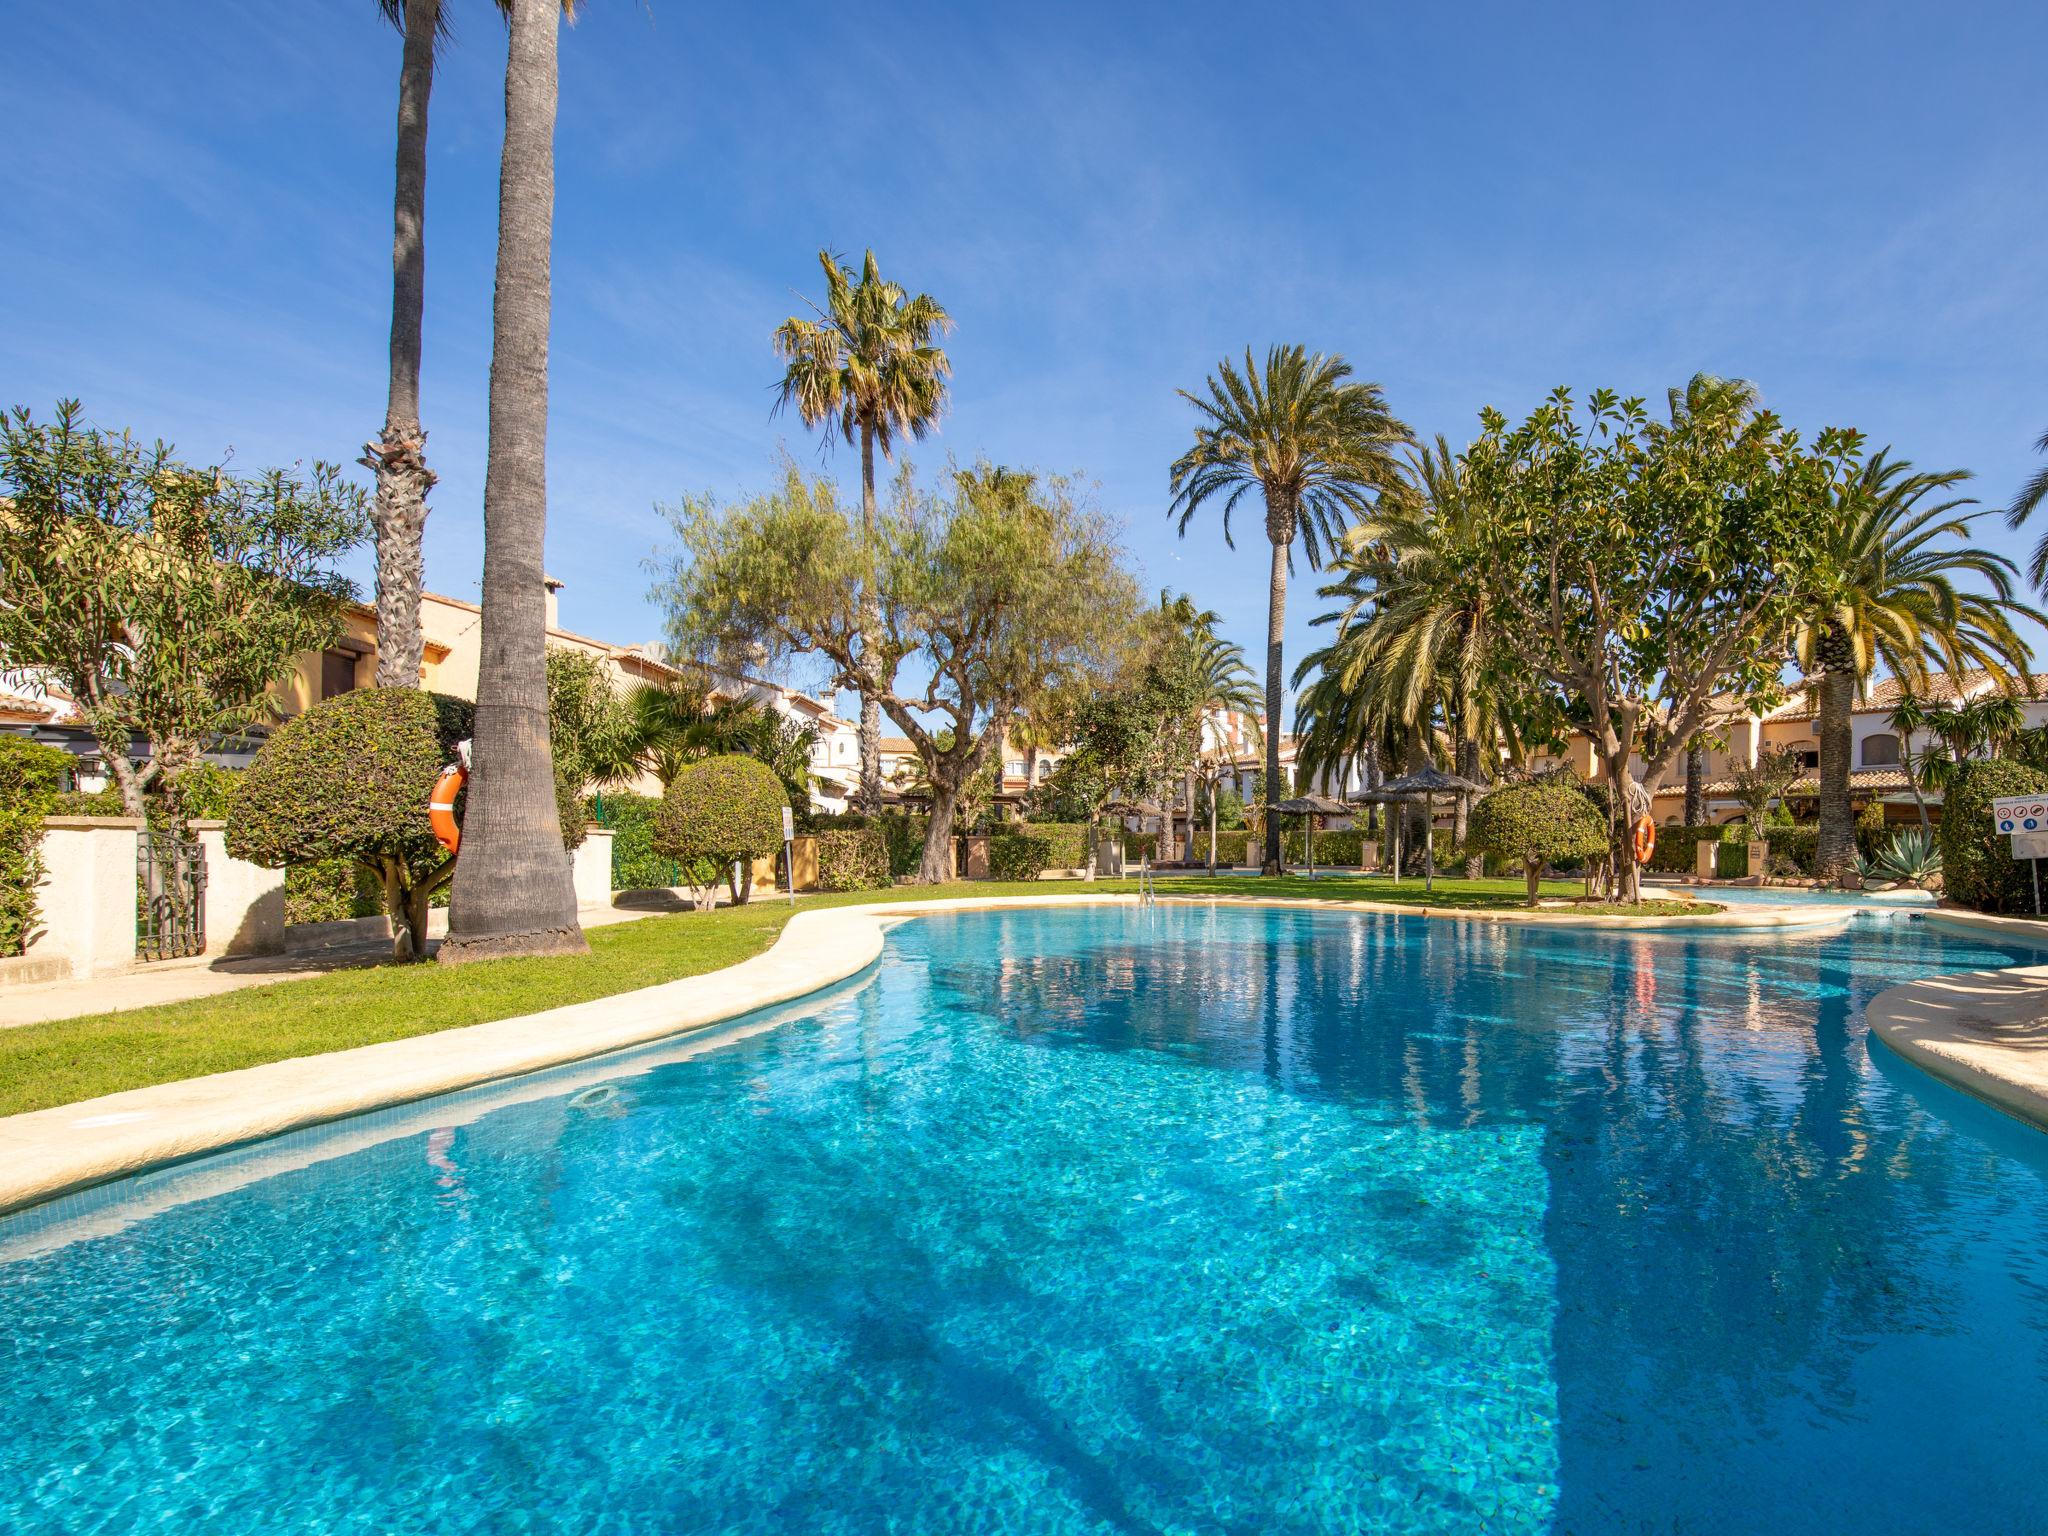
{"x":29,"y":775}
{"x":1065,"y":842}
{"x":1977,"y":866}
{"x":1232,"y":848}
{"x":1020,"y":855}
{"x":853,"y":859}
{"x":904,"y":833}
{"x":635,"y":864}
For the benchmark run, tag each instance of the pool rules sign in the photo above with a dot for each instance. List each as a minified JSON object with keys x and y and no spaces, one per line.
{"x":2024,"y":818}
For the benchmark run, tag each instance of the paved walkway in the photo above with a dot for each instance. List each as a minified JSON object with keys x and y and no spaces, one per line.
{"x":177,"y":981}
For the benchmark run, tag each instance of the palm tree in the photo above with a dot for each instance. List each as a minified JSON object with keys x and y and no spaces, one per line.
{"x":868,"y":364}
{"x":1908,"y":718}
{"x":512,"y":893}
{"x":2024,"y":505}
{"x":398,"y":456}
{"x":1894,"y":560}
{"x":1227,"y":688}
{"x":1319,"y":448}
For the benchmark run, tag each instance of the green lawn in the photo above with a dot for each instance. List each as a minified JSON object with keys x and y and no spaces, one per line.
{"x":70,"y":1059}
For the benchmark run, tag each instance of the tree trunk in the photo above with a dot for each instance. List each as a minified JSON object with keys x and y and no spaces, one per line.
{"x":126,"y":779}
{"x":1212,"y":829}
{"x":513,"y":892}
{"x":1695,"y":783}
{"x":1276,"y":624}
{"x":870,"y":735}
{"x":1468,"y":766}
{"x":397,"y":457}
{"x":935,"y":865}
{"x":1533,"y":869}
{"x":1835,"y":848}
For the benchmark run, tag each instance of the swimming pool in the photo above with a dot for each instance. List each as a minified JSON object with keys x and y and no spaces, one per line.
{"x":1090,"y":1220}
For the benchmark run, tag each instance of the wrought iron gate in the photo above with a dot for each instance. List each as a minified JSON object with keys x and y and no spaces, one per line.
{"x":170,"y":897}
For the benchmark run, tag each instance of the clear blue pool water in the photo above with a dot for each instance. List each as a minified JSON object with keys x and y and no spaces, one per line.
{"x":1100,"y":1221}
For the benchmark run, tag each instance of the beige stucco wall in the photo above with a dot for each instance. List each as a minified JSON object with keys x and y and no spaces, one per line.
{"x":87,"y":897}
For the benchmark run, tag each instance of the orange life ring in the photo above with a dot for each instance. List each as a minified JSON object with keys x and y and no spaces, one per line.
{"x":441,"y":806}
{"x":1645,"y":839}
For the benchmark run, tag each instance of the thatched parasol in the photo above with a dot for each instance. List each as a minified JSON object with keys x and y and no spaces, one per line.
{"x":1428,"y":781}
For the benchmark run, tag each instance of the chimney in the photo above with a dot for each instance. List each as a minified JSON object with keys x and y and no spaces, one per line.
{"x":553,"y":587}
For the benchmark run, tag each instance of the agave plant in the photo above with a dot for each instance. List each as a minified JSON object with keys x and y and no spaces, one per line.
{"x":1911,"y":858}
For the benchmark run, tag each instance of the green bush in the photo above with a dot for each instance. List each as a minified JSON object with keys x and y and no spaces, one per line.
{"x":903,"y":832}
{"x":1231,"y":847}
{"x":1066,"y":843}
{"x":1677,"y":851}
{"x":635,"y":864}
{"x":1531,"y":824}
{"x":853,"y":859}
{"x":328,"y":891}
{"x":1977,"y":866}
{"x":1020,"y":855}
{"x":1334,"y":849}
{"x":29,"y":775}
{"x":723,"y":811}
{"x":349,"y":780}
{"x":95,"y":802}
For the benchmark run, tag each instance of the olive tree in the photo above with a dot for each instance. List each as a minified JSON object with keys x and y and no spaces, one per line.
{"x":990,"y":593}
{"x":166,"y":600}
{"x":1535,"y":823}
{"x":720,"y":814}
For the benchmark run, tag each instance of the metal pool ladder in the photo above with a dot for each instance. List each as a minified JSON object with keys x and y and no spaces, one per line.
{"x":1148,"y":891}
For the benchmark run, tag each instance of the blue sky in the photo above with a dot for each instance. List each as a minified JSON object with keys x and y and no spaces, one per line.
{"x":1848,"y":204}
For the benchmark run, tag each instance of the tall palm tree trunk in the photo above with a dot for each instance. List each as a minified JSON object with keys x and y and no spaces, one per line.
{"x":1276,"y":624}
{"x":1835,"y":847}
{"x":1468,"y":767}
{"x":1695,"y":783}
{"x":512,"y":893}
{"x":398,"y":456}
{"x":870,"y":733}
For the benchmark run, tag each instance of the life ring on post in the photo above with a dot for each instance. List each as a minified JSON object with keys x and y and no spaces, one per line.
{"x":1644,"y":839}
{"x":441,"y":803}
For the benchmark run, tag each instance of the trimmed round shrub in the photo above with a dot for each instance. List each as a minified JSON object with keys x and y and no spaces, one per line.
{"x":349,"y":778}
{"x":853,"y":859}
{"x":1977,"y":866}
{"x":723,"y":810}
{"x":1531,"y":824}
{"x":29,"y":775}
{"x":1019,"y":856}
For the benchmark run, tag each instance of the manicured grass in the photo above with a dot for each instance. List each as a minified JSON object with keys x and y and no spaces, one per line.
{"x":66,"y":1060}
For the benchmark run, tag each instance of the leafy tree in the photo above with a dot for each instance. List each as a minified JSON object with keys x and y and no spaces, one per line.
{"x":590,"y":726}
{"x":1640,"y":567}
{"x":721,"y":814}
{"x":1319,"y":450}
{"x":1888,"y":592}
{"x":166,"y":600}
{"x":30,"y":774}
{"x":1001,"y":590}
{"x":1536,"y":822}
{"x":513,"y":893}
{"x":869,"y":366}
{"x":1760,"y":784}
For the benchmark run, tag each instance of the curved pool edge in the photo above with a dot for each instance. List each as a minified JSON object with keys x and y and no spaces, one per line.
{"x":49,"y":1153}
{"x":1984,"y":1032}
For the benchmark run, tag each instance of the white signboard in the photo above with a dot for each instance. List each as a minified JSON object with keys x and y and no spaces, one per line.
{"x":2030,"y":845}
{"x":788,"y":824}
{"x":2020,"y":813}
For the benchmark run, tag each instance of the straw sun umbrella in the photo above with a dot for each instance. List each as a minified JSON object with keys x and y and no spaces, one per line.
{"x":1314,"y":807}
{"x":1428,"y":782}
